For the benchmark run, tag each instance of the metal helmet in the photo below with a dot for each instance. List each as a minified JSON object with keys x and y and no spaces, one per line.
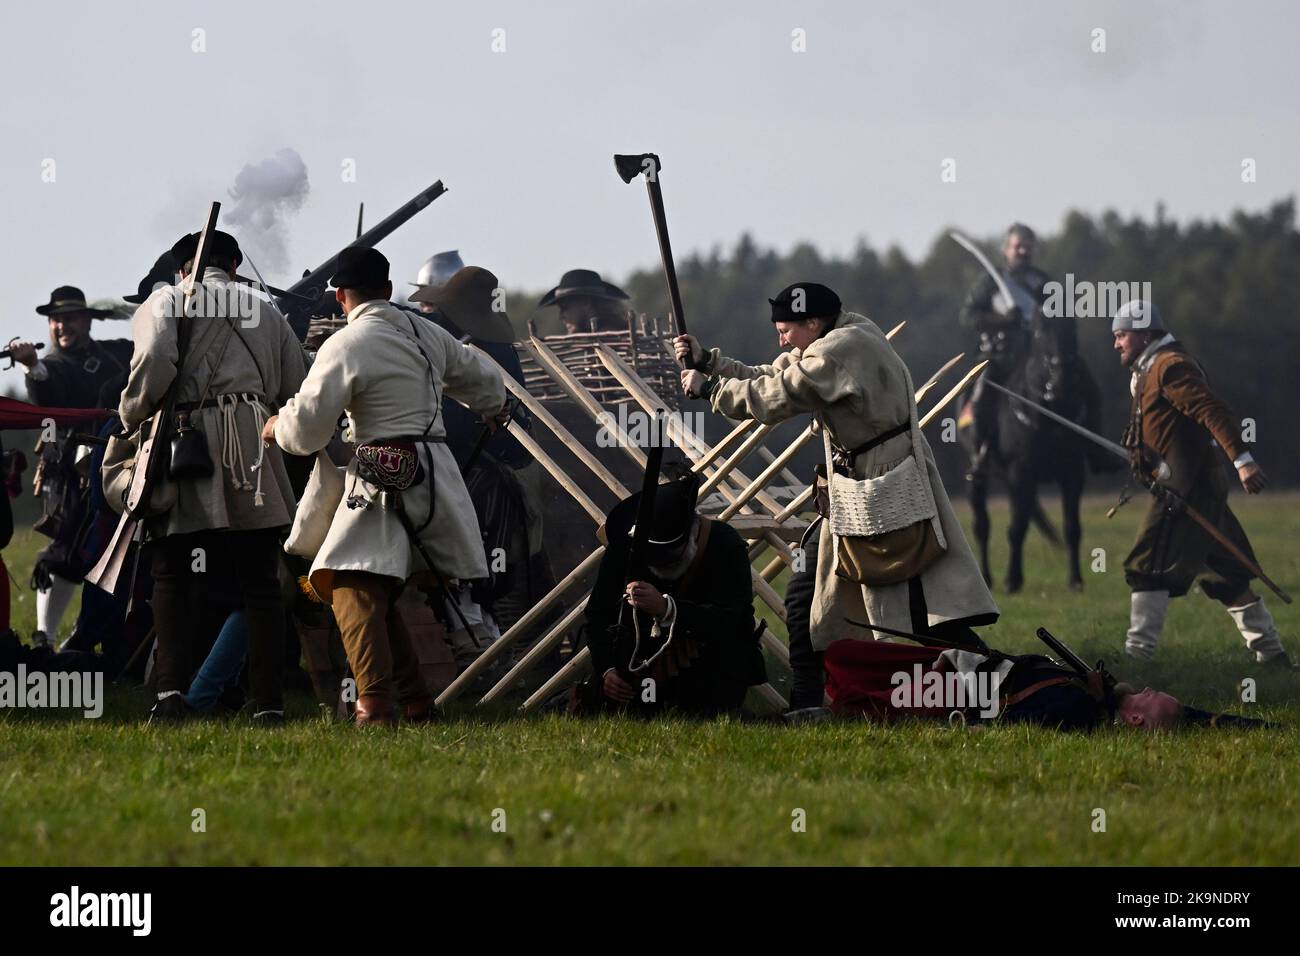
{"x":438,"y":269}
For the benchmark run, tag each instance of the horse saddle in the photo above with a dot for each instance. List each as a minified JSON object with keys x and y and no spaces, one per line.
{"x":393,"y":464}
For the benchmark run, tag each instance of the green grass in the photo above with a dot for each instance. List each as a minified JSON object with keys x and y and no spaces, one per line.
{"x":113,"y":791}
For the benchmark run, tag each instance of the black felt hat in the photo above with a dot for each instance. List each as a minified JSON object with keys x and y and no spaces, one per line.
{"x":805,"y":300}
{"x":578,"y":282}
{"x":223,"y":245}
{"x":69,"y":300}
{"x":163,"y":272}
{"x":674,"y":513}
{"x":468,"y":299}
{"x":360,"y":268}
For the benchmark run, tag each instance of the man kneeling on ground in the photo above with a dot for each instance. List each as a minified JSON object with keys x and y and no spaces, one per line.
{"x":681,"y":636}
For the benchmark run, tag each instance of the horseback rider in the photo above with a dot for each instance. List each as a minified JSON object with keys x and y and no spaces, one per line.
{"x":1009,"y":332}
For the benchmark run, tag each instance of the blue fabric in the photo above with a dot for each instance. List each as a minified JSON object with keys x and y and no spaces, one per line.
{"x":223,"y":663}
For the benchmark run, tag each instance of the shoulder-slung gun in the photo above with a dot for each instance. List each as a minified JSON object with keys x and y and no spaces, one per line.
{"x":154,"y":456}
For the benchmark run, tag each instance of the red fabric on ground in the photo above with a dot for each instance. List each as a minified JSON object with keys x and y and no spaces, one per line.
{"x":859,"y":676}
{"x":23,"y":415}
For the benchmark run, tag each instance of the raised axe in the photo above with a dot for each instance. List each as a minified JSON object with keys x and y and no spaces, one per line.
{"x":630,"y":166}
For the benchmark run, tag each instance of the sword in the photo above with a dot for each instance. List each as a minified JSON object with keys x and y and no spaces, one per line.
{"x":1162,"y":472}
{"x":1159,"y":478}
{"x":265,"y":289}
{"x":996,"y":276}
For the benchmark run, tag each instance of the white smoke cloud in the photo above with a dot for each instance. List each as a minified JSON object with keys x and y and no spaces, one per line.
{"x":265,"y":195}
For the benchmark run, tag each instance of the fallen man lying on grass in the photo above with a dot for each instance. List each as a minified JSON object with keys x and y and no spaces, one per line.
{"x":885,"y":681}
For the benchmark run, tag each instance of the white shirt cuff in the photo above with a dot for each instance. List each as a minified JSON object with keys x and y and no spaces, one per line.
{"x":670,"y":615}
{"x":38,"y":372}
{"x":1244,"y":460}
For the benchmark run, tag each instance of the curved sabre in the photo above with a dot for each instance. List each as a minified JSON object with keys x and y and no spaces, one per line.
{"x":978,"y":253}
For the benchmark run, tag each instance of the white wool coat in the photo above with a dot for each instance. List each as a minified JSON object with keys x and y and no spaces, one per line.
{"x":374,"y":371}
{"x":859,"y":387}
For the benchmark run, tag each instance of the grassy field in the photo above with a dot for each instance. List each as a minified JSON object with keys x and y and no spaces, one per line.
{"x":113,"y":791}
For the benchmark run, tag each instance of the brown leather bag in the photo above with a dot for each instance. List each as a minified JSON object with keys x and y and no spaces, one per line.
{"x":889,"y":558}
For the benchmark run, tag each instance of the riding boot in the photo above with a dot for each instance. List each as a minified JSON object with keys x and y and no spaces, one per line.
{"x":1257,"y":627}
{"x":979,"y":463}
{"x":1147,"y":611}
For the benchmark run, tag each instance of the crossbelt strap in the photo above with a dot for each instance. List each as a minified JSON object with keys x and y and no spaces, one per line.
{"x":879,"y":440}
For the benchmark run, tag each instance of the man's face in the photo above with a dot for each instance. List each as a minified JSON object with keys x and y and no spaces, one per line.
{"x":71,"y":330}
{"x":1150,"y":709}
{"x":799,"y":335}
{"x":1129,"y":345}
{"x":1018,"y":251}
{"x":576,"y":312}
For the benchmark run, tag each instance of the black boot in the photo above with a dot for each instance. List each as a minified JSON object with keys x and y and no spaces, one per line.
{"x":170,"y":710}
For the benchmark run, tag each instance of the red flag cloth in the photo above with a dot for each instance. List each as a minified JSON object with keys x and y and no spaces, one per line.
{"x":16,"y":415}
{"x":860,"y":676}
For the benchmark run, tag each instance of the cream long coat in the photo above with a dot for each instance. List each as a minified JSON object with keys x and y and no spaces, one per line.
{"x":237,"y":496}
{"x":373,"y":370}
{"x":854,"y":380}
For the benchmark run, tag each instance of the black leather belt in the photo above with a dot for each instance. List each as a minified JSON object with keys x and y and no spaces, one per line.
{"x":846,"y":458}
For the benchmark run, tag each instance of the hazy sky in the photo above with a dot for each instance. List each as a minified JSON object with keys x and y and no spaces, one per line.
{"x":843,"y":141}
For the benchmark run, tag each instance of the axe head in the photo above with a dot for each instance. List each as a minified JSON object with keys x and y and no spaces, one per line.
{"x":630,"y":166}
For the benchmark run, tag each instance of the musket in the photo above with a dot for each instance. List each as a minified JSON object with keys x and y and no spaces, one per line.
{"x":312,"y":285}
{"x":624,"y":634}
{"x":922,"y":639}
{"x":1157,"y":483}
{"x":1076,"y":663}
{"x":153,"y":457}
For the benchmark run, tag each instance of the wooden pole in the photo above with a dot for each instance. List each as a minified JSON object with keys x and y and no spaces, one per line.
{"x":574,"y":389}
{"x":956,"y":390}
{"x":934,"y":379}
{"x":758,"y":483}
{"x":520,"y":627}
{"x":795,"y":505}
{"x":540,"y":412}
{"x":561,"y":678}
{"x":536,"y":652}
{"x":559,"y":474}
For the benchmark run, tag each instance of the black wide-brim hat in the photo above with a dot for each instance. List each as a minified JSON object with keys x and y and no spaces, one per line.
{"x":467,"y":300}
{"x":360,"y":267}
{"x":577,"y":282}
{"x":69,"y":300}
{"x":223,"y":244}
{"x":163,"y":272}
{"x":674,"y":513}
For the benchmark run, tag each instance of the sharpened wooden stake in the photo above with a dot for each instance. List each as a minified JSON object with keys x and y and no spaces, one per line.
{"x":521,"y":626}
{"x":956,"y":390}
{"x":543,"y":646}
{"x":572,"y":668}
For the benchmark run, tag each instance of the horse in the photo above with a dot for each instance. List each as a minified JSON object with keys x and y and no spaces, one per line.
{"x":1028,"y":449}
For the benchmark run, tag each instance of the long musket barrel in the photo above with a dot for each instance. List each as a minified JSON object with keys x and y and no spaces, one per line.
{"x":312,"y":286}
